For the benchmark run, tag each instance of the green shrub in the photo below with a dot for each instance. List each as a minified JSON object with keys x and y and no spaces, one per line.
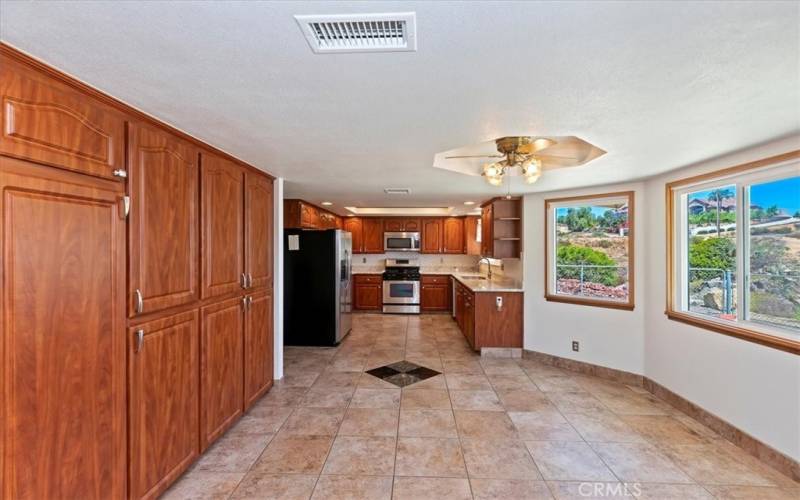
{"x":717,"y":253}
{"x":574,"y":255}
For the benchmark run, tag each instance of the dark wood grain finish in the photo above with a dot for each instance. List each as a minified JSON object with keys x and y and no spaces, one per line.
{"x":498,"y":328}
{"x":401,"y":224}
{"x":368,"y":278}
{"x":48,"y":122}
{"x":432,"y":236}
{"x":487,"y":236}
{"x":258,"y":231}
{"x":434,"y":279}
{"x":222,"y":226}
{"x":63,"y":331}
{"x":355,"y":227}
{"x":453,"y":235}
{"x":367,"y":292}
{"x":258,"y":342}
{"x":372,"y":235}
{"x":221,"y":369}
{"x":300,"y":214}
{"x":434,"y":297}
{"x":163,"y":385}
{"x":164,"y":219}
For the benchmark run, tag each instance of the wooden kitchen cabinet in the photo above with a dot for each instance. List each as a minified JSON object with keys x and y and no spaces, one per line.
{"x":453,"y":235}
{"x":372,"y":235}
{"x":63,"y":330}
{"x":401,"y":224}
{"x":258,"y":230}
{"x":299,"y":214}
{"x":432,"y":236}
{"x":221,"y":370}
{"x":164,"y":220}
{"x":222,"y":226}
{"x":163,"y":371}
{"x":367,"y":292}
{"x":434,"y":293}
{"x":501,"y":224}
{"x":49,"y":122}
{"x":471,"y":244}
{"x":355,"y":226}
{"x":483,"y":323}
{"x":258,"y":346}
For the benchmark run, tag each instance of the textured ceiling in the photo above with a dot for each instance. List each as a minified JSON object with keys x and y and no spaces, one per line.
{"x":657,"y":85}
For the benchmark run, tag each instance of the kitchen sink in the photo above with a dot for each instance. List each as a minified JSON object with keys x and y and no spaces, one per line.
{"x":473,"y":277}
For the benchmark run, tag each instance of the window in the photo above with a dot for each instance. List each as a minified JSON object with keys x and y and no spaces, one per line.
{"x":734,"y":251}
{"x":589,"y":257}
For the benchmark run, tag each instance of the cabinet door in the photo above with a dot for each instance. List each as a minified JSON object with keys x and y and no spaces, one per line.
{"x":49,"y":122}
{"x":453,"y":241}
{"x":222,"y":226}
{"x":163,"y":386}
{"x":469,"y":319}
{"x":373,"y":235}
{"x":258,"y":232}
{"x":434,"y":297}
{"x":487,"y":236}
{"x":164,"y":220}
{"x":309,"y":216}
{"x":412,"y":225}
{"x":393,"y":225}
{"x":221,"y":370}
{"x":354,"y":226}
{"x":471,"y":244}
{"x":432,"y":236}
{"x":367,"y":297}
{"x":258,"y":344}
{"x":63,"y":331}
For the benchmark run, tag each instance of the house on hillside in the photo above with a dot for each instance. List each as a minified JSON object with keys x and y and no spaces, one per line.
{"x":699,"y":205}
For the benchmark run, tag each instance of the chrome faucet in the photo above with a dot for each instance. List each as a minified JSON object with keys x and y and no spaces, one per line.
{"x":488,"y":265}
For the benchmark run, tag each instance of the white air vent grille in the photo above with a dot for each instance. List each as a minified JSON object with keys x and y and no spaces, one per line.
{"x":360,"y":32}
{"x":397,"y":191}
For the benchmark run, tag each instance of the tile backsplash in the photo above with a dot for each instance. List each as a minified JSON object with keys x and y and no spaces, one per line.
{"x":425,"y":260}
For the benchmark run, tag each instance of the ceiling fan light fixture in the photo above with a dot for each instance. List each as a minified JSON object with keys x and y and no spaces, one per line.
{"x":492,"y":170}
{"x":496,"y":180}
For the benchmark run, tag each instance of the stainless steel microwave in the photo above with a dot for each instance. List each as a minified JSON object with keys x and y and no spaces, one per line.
{"x":401,"y":242}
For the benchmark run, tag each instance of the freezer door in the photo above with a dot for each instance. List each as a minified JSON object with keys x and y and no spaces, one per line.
{"x":345,"y":259}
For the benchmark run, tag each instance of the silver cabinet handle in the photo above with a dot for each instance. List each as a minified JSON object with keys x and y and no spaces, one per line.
{"x":249,"y":280}
{"x":244,"y":303}
{"x":243,"y":281}
{"x":139,"y":301}
{"x":139,"y":340}
{"x":249,"y":301}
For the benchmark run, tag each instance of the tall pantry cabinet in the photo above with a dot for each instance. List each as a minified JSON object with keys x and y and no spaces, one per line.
{"x":136,"y":292}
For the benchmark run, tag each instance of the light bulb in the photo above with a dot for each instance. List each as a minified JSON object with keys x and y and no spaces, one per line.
{"x":531,"y":178}
{"x":496,"y":180}
{"x":491,"y":170}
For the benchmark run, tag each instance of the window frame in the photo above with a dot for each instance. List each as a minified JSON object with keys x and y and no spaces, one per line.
{"x":740,"y":176}
{"x":550,"y":247}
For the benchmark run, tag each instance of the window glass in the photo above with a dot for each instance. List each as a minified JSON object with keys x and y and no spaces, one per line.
{"x":711,"y":239}
{"x":774,"y":256}
{"x":591,"y":250}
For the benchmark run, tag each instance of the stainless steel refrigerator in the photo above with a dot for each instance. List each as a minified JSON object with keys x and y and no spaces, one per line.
{"x":317,"y":304}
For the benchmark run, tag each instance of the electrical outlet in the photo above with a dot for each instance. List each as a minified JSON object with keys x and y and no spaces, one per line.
{"x":363,"y":260}
{"x":576,"y":346}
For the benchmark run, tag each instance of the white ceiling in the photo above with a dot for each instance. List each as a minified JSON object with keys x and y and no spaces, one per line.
{"x":657,"y":85}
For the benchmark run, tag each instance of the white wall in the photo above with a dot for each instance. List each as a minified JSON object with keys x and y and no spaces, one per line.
{"x":753,"y":387}
{"x":277,"y":275}
{"x":607,"y":337}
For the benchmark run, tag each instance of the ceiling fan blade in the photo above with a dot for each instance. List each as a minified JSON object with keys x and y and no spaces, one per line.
{"x":474,"y":156}
{"x":556,"y":157}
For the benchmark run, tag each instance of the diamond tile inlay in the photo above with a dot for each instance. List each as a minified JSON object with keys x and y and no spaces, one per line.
{"x":403,"y":373}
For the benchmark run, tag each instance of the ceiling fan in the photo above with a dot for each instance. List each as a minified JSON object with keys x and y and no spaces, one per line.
{"x":529,"y":156}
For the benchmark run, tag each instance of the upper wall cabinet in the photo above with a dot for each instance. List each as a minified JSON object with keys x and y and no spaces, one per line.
{"x":501,"y":227}
{"x":258,"y":230}
{"x":222,"y":226}
{"x":432,"y":236}
{"x":298,"y":214}
{"x":48,"y":122}
{"x":453,"y":235}
{"x":355,"y":227}
{"x":164,"y":220}
{"x":400,"y":224}
{"x":372,"y":235}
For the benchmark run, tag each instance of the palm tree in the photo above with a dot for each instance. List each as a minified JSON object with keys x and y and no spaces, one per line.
{"x":718,"y":195}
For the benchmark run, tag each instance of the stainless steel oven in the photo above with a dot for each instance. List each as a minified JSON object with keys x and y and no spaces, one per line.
{"x":401,"y":242}
{"x":401,"y":286}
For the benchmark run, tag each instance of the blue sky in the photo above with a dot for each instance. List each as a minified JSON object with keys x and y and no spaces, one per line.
{"x":785,"y":193}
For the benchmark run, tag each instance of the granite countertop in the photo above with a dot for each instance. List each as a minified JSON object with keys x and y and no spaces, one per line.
{"x":498,"y":284}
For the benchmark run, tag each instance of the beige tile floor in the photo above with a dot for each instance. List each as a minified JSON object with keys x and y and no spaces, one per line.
{"x":485,"y":428}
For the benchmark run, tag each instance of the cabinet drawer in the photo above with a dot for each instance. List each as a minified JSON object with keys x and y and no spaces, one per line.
{"x":434,"y":279}
{"x":368,"y":279}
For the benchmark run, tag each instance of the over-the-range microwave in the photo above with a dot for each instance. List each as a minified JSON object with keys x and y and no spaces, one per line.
{"x":401,"y":242}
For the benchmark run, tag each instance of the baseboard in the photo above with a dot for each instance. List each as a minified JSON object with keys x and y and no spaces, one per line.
{"x":573,"y":365}
{"x":762,"y":451}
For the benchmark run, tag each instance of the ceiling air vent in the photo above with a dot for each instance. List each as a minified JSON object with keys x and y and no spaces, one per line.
{"x":397,"y":191}
{"x":360,"y":32}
